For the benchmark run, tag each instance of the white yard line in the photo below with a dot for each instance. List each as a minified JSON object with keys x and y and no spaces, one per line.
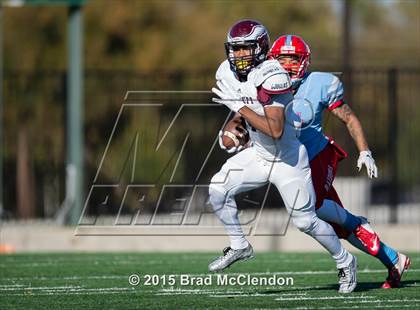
{"x":71,"y":293}
{"x":221,"y":292}
{"x":323,"y":298}
{"x":384,"y":300}
{"x":130,"y":260}
{"x":254,"y":295}
{"x":59,"y":290}
{"x":65,"y":278}
{"x":70,"y":262}
{"x":359,"y":307}
{"x":20,"y":288}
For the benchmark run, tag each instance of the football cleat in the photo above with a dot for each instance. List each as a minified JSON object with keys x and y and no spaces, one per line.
{"x":395,"y":272}
{"x":348,"y":277}
{"x":231,"y":256}
{"x":367,"y":236}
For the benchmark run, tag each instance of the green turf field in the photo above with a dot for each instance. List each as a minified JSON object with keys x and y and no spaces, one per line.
{"x":88,"y":281}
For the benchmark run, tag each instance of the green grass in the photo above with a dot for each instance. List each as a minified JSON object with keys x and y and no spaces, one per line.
{"x":100,"y":280}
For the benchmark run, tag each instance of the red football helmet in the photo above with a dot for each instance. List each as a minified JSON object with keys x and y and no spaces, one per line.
{"x":250,"y":35}
{"x":291,"y":45}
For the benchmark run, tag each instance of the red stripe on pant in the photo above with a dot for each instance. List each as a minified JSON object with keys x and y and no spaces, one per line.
{"x":323,"y":170}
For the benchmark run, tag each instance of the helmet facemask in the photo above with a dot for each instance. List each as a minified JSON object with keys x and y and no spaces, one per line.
{"x":249,"y":58}
{"x":295,"y":47}
{"x":296,"y":68}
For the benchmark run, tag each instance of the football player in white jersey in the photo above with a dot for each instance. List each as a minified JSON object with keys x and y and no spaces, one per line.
{"x":324,"y":91}
{"x":259,"y":91}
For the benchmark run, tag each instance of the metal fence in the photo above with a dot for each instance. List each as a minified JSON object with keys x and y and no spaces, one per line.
{"x":386,"y":103}
{"x":34,"y":133}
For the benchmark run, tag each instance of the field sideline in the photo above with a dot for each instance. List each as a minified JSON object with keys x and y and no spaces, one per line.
{"x":98,"y":280}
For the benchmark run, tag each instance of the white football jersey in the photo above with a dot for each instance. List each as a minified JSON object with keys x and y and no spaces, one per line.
{"x":271,"y":76}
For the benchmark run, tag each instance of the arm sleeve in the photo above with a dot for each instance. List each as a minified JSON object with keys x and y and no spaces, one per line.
{"x":334,"y":94}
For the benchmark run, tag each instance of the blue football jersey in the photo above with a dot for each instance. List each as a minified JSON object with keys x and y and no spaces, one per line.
{"x":317,"y":91}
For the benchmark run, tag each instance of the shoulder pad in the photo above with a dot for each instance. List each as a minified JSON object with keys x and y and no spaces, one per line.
{"x":265,"y":70}
{"x":277,"y":84}
{"x":223,"y":70}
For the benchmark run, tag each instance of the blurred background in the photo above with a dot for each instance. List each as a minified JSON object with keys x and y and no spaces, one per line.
{"x":68,"y":64}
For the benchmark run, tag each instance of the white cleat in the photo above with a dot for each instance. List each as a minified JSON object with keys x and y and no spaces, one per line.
{"x":348,"y":277}
{"x":231,"y":256}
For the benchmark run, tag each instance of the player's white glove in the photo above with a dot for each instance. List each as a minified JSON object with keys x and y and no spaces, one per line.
{"x":365,"y":158}
{"x":227,"y":96}
{"x":231,"y":150}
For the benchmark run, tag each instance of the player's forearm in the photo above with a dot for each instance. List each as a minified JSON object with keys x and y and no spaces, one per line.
{"x":347,"y":116}
{"x":356,"y":131}
{"x":267,"y":125}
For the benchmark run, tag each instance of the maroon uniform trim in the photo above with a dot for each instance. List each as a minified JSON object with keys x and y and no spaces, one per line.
{"x":264,"y":95}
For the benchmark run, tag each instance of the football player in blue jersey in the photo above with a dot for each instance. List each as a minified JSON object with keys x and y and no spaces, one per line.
{"x":320,"y":91}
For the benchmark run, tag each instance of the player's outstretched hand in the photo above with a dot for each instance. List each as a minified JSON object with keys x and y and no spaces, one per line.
{"x":227,"y":96}
{"x":365,"y":158}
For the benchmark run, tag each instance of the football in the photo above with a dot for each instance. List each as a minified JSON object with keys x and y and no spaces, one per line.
{"x":234,"y":133}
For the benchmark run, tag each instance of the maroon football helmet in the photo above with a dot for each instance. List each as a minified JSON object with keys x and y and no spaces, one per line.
{"x":249,"y":35}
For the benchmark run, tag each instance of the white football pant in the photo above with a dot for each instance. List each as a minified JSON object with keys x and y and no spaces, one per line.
{"x":292,"y":177}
